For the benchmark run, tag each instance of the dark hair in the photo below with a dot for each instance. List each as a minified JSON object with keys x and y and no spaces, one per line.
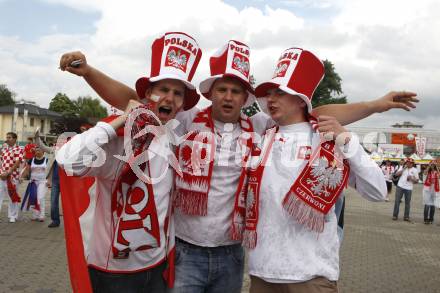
{"x":13,"y":134}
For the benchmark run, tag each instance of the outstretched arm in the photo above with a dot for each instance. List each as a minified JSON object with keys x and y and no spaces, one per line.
{"x":112,"y":91}
{"x":349,"y":113}
{"x":41,"y":144}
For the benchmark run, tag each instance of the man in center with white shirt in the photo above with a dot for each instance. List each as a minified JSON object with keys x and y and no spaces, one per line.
{"x":291,"y":225}
{"x":408,"y":176}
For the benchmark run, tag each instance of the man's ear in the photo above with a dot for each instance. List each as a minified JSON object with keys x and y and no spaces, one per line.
{"x":148,"y":93}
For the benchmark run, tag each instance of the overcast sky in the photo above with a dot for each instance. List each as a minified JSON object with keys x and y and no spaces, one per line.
{"x":376,"y":46}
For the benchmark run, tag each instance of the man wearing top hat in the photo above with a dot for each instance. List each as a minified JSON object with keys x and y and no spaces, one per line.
{"x":209,"y":203}
{"x":408,"y":176}
{"x":291,"y":225}
{"x":132,"y":228}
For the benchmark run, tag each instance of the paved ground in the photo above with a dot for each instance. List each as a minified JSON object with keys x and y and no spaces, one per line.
{"x":378,"y":254}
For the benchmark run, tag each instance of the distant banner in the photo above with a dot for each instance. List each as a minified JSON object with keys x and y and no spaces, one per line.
{"x":403,"y":138}
{"x":391,"y":150}
{"x":421,"y":146}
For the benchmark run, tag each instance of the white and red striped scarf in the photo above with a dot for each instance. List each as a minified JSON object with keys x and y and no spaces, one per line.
{"x":432,"y":178}
{"x":310,"y":197}
{"x":196,"y":159}
{"x":127,"y":190}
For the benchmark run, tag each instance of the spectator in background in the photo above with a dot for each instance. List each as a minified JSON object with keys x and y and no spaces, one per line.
{"x":408,"y":176}
{"x":388,"y":171}
{"x":36,"y":168}
{"x":85,"y":127}
{"x":53,"y":182}
{"x":11,"y":156}
{"x":29,"y":149}
{"x":430,"y":191}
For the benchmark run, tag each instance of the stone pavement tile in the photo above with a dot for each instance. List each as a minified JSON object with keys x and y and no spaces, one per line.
{"x":381,"y":255}
{"x":33,"y":257}
{"x":377,"y":254}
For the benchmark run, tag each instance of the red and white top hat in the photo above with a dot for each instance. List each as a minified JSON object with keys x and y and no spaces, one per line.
{"x":232,"y":60}
{"x":174,"y":56}
{"x":298,"y":73}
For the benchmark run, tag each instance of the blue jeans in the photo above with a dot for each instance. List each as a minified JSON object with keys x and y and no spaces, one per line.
{"x":339,"y":211}
{"x":147,"y":281}
{"x":400,"y":192}
{"x":55,"y":203}
{"x":208,"y":269}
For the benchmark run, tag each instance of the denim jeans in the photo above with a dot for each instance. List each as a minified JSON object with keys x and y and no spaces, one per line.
{"x":428,"y":213}
{"x":208,"y":269}
{"x":55,"y":203}
{"x":147,"y":281}
{"x":339,"y":211}
{"x":399,"y":193}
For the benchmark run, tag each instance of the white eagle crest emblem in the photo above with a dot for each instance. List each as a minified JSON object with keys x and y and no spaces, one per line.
{"x":177,"y":59}
{"x":241,"y":65}
{"x":326,"y":176}
{"x":281,"y":69}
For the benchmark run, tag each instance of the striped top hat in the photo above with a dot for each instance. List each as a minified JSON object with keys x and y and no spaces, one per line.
{"x":298,"y":72}
{"x":175,"y":55}
{"x":232,"y":60}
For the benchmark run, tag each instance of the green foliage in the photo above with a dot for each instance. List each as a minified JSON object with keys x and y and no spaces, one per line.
{"x":89,"y":107}
{"x":330,"y":89}
{"x":75,"y":112}
{"x":62,"y":104}
{"x":6,"y":96}
{"x":67,"y":123}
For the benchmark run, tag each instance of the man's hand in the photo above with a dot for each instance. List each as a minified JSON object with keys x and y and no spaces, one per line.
{"x":68,"y":58}
{"x":333,"y":130}
{"x":132,"y":104}
{"x":3,"y":176}
{"x":120,"y":121}
{"x":395,"y":100}
{"x":48,"y":184}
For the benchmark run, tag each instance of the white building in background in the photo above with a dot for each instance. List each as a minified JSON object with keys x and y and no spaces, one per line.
{"x":398,"y":136}
{"x":24,"y":118}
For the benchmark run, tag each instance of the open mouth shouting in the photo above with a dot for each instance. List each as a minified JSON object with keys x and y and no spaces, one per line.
{"x":165,"y":113}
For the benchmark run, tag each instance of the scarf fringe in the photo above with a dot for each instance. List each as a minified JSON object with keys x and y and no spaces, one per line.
{"x":249,"y":239}
{"x":237,"y":230}
{"x":192,"y":203}
{"x":303,"y":213}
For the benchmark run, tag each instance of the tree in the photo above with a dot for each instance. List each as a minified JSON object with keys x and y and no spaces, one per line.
{"x":6,"y":96}
{"x":89,"y":107}
{"x":62,"y":104}
{"x":67,"y":123}
{"x":329,"y":90}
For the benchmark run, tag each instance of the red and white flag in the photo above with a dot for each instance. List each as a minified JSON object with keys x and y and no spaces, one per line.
{"x":75,"y":202}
